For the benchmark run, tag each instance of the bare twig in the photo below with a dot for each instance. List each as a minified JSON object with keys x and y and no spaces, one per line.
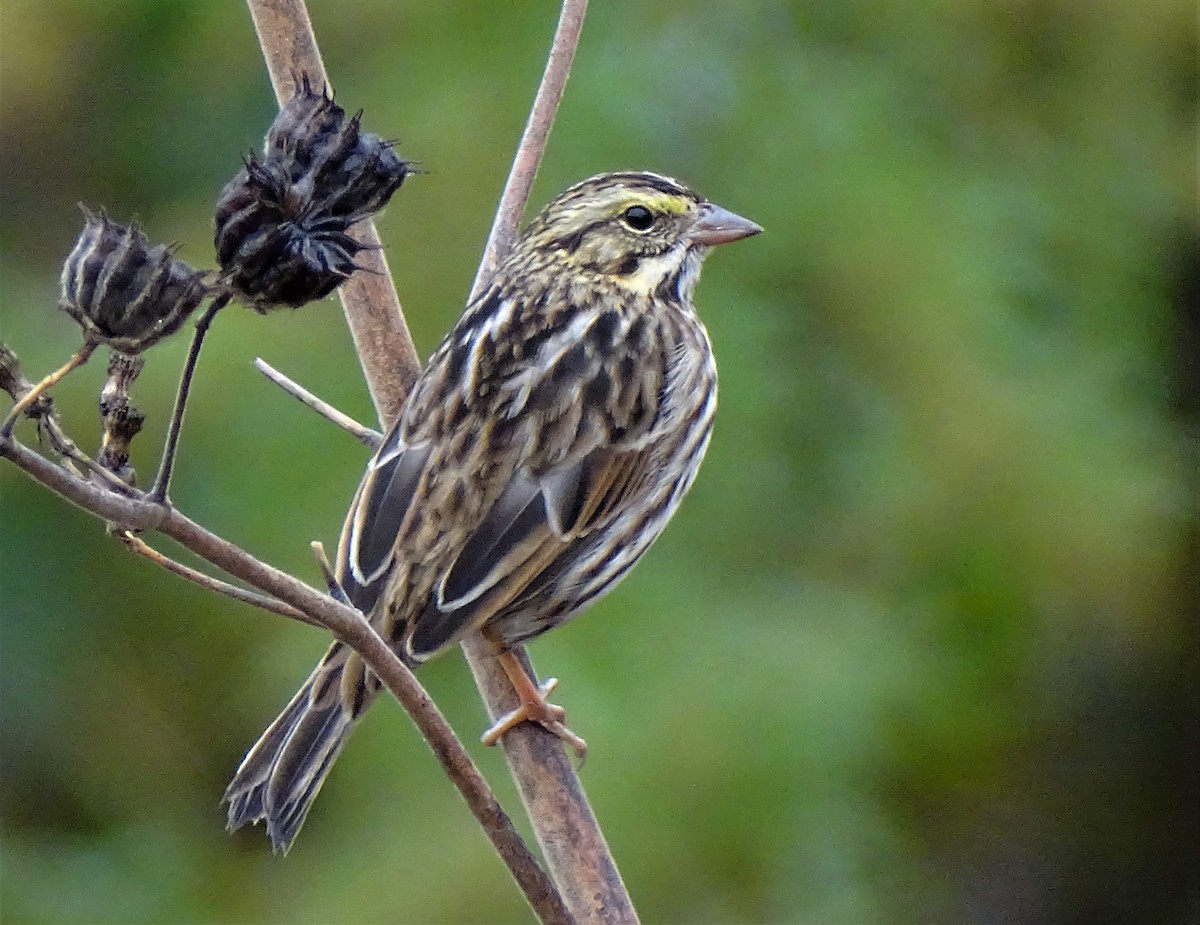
{"x":364,"y":435}
{"x":533,"y":142}
{"x":13,"y":381}
{"x":162,"y":482}
{"x":331,"y":581}
{"x":140,"y":547}
{"x":78,"y":358}
{"x":66,"y":447}
{"x":346,"y":623}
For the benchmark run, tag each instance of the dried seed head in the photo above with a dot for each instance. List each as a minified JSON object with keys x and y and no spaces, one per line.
{"x":272,"y":249}
{"x":362,"y":183}
{"x":288,"y":265}
{"x":258,"y":198}
{"x":337,"y":168}
{"x":123,"y":292}
{"x":309,"y":130}
{"x":282,"y":222}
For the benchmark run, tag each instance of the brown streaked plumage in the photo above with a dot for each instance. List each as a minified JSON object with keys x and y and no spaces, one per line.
{"x":541,"y":452}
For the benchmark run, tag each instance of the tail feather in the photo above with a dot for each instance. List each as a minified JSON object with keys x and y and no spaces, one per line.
{"x":282,"y":773}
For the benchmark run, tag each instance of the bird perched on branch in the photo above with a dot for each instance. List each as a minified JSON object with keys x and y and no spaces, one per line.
{"x":543,"y":449}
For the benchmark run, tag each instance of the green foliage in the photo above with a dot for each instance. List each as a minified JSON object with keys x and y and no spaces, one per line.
{"x":921,"y":644}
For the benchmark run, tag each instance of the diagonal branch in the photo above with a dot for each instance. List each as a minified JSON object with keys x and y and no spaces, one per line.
{"x":533,"y":142}
{"x":346,"y":623}
{"x":13,"y":381}
{"x":364,"y":435}
{"x":139,"y":547}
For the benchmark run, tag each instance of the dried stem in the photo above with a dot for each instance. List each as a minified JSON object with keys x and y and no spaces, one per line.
{"x":13,"y":381}
{"x":364,"y":435}
{"x":162,"y":483}
{"x":533,"y":142}
{"x":78,"y":358}
{"x":140,"y":547}
{"x":121,"y":422}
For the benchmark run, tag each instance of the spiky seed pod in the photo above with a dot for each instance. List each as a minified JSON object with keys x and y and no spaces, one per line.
{"x":122,"y":291}
{"x":282,"y":222}
{"x":309,"y":130}
{"x":257,"y":200}
{"x":362,"y":183}
{"x":336,"y":167}
{"x":273,"y":250}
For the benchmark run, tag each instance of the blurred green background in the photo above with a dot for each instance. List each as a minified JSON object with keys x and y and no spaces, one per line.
{"x":922,"y":644}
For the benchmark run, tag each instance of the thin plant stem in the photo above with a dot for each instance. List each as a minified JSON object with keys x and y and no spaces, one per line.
{"x":140,"y":547}
{"x":158,"y":492}
{"x":67,"y":448}
{"x":533,"y":142}
{"x":13,"y":381}
{"x":364,"y":435}
{"x":80,"y":357}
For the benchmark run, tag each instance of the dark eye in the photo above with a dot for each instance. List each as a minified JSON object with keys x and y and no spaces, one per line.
{"x":639,"y":218}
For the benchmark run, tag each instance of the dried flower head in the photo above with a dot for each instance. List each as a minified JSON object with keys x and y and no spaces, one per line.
{"x":282,"y":223}
{"x":122,"y":291}
{"x":309,"y":130}
{"x":272,"y":250}
{"x":364,"y":180}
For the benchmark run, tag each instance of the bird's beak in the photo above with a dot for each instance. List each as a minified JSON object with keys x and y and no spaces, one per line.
{"x":720,"y":226}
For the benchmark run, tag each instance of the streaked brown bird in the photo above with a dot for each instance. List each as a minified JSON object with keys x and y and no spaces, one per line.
{"x":542,"y":450}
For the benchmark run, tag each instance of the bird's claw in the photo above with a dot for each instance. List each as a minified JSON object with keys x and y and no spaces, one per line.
{"x":538,"y":710}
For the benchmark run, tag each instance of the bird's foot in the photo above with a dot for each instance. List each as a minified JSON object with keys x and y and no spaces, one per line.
{"x":534,"y":708}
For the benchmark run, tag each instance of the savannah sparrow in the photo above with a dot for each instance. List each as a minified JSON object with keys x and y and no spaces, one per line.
{"x":541,"y":452}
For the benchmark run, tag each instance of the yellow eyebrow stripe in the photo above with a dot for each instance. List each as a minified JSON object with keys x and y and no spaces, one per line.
{"x":652,"y":200}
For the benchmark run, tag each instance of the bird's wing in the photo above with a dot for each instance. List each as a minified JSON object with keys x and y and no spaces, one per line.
{"x":381,"y":508}
{"x":490,"y":515}
{"x":533,"y":533}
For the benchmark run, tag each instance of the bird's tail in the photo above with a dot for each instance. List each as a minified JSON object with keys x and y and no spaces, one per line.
{"x":282,"y":773}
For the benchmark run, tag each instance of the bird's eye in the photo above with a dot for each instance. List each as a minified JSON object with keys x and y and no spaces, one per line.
{"x":639,"y":218}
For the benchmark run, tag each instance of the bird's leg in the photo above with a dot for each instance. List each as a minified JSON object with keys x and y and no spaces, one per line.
{"x":534,"y":707}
